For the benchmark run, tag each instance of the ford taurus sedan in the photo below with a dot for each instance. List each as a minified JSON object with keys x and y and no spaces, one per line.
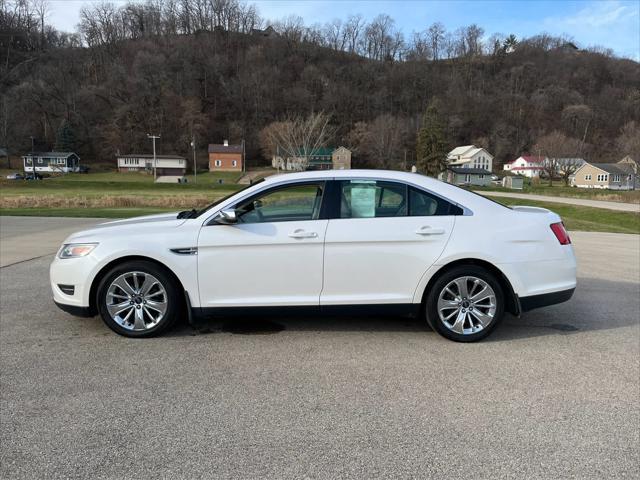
{"x":334,"y":242}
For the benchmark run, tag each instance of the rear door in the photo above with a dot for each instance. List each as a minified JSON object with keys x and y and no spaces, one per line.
{"x":385,"y":236}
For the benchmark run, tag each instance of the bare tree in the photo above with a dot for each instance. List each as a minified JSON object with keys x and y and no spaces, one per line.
{"x":436,"y":33}
{"x":628,"y":142}
{"x":298,"y":137}
{"x":352,"y":31}
{"x":560,"y":152}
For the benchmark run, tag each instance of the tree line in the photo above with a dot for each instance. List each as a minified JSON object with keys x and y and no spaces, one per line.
{"x":207,"y":68}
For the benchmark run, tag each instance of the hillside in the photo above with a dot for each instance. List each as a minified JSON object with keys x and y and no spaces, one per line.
{"x":220,"y":84}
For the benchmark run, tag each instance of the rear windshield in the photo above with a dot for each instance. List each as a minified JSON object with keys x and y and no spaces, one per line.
{"x":482,"y":196}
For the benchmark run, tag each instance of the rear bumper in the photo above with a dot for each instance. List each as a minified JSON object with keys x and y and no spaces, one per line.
{"x":545,"y":299}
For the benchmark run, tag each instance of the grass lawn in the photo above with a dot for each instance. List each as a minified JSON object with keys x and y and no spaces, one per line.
{"x":107,"y":191}
{"x":585,"y":219}
{"x":560,"y":190}
{"x":83,"y":212}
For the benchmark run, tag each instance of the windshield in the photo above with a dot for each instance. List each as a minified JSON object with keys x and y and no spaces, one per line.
{"x":225,"y":198}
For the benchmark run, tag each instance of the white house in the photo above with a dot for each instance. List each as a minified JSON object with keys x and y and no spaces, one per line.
{"x":165,"y":164}
{"x":51,"y":162}
{"x":470,"y":156}
{"x":526,"y":165}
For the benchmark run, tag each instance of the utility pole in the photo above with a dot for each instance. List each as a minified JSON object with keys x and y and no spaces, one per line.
{"x":195,"y":164}
{"x":244,"y":162}
{"x":153,"y":137}
{"x":33,"y":159}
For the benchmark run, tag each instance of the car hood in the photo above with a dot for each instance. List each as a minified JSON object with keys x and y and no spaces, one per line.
{"x":167,"y":218}
{"x":151,"y":224}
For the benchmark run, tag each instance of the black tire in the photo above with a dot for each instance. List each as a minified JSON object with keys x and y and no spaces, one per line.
{"x":174,"y":300}
{"x":431,"y":302}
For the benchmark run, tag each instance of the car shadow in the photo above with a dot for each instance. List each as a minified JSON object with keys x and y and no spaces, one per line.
{"x":596,"y":305}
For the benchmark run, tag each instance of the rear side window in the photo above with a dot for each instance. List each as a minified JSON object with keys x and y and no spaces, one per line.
{"x":423,"y":204}
{"x":374,"y":198}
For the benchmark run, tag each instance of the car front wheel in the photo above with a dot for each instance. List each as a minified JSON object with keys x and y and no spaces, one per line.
{"x":138,"y":299}
{"x":465,"y":304}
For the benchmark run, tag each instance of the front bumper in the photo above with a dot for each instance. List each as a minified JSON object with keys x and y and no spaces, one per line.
{"x":85,"y":312}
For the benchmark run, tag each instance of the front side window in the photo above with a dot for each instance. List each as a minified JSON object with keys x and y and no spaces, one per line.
{"x":234,"y":163}
{"x":298,"y":202}
{"x":587,"y":176}
{"x":218,"y":163}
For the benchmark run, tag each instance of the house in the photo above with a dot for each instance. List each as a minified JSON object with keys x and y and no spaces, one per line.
{"x":526,"y":165}
{"x":466,"y":176}
{"x":632,"y":162}
{"x":268,"y":32}
{"x":614,"y":176}
{"x":61,"y":162}
{"x":470,"y":156}
{"x":319,"y":159}
{"x":173,"y":165}
{"x":225,"y":158}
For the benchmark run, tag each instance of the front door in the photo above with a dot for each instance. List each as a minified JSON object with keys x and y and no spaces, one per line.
{"x":272,"y":256}
{"x":386,"y":237}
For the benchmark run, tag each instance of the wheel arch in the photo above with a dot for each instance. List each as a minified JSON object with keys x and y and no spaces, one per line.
{"x":118,"y":261}
{"x":512,"y":303}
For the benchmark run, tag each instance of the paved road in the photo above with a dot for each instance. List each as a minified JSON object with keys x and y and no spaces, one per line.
{"x":619,"y":206}
{"x":551,"y":395}
{"x":23,"y":238}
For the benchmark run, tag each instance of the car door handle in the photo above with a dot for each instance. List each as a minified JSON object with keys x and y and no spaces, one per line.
{"x":302,"y":234}
{"x":427,"y":230}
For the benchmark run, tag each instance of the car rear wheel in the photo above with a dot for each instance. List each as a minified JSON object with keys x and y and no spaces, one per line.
{"x":465,"y":304}
{"x":138,"y":299}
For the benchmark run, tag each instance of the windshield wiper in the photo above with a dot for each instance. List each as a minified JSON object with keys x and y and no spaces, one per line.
{"x":188,"y":214}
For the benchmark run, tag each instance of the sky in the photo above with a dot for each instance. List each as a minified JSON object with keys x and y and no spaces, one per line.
{"x":613,"y":24}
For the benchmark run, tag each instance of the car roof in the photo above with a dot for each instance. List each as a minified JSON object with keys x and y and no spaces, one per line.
{"x":352,"y":173}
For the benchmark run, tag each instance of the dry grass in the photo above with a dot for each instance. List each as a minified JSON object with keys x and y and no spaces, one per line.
{"x":106,"y":201}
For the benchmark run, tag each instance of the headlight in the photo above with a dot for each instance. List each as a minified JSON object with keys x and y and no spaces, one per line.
{"x":74,"y":250}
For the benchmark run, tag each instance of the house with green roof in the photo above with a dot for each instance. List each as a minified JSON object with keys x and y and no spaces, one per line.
{"x":322,"y":158}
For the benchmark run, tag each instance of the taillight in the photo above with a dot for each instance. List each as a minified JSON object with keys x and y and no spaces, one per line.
{"x":560,"y":233}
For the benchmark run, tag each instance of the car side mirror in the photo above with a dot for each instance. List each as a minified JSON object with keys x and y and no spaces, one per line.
{"x":226,"y":217}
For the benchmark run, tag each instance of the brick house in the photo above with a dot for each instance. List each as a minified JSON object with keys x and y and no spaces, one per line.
{"x":225,"y":157}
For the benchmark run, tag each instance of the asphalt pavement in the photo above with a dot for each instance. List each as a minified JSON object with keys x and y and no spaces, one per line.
{"x":553,"y":394}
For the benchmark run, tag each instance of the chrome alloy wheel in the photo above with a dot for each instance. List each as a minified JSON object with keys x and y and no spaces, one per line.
{"x":467,"y":305}
{"x":136,"y":301}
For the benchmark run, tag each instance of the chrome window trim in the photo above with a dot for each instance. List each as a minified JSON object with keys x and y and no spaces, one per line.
{"x":466,"y":212}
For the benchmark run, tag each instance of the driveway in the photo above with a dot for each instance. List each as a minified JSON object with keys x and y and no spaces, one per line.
{"x":619,"y":206}
{"x":553,"y":394}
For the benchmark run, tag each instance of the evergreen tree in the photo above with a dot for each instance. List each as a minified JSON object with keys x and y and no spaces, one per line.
{"x":431,"y":147}
{"x":65,"y":138}
{"x":510,"y":43}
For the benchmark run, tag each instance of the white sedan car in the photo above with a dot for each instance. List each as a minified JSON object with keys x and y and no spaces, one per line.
{"x":348,"y":241}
